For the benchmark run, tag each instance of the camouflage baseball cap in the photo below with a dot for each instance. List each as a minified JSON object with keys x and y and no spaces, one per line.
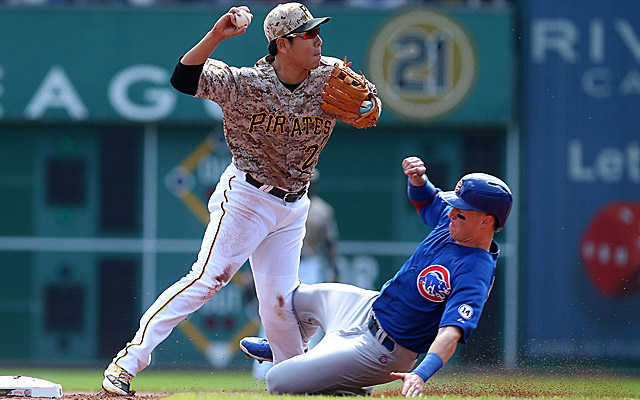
{"x":290,"y":18}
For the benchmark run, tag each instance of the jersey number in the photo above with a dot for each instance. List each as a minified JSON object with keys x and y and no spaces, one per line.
{"x":314,"y":150}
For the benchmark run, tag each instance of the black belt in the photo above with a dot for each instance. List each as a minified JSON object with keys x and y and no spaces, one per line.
{"x":380,"y":334}
{"x":289,"y":197}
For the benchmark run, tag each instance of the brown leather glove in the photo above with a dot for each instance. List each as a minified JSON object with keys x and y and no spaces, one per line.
{"x":343,"y":96}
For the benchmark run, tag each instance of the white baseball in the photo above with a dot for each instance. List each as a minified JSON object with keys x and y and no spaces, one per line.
{"x":242,"y":18}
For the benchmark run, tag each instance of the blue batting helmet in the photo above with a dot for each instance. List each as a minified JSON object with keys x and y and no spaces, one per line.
{"x":481,"y":192}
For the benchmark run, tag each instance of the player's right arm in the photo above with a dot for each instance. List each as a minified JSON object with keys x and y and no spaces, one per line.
{"x":223,"y":29}
{"x":422,"y":192}
{"x":186,"y":75}
{"x":415,"y":169}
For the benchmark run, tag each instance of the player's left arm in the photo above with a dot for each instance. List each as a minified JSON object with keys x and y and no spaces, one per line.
{"x":460,"y":317}
{"x":439,"y":353}
{"x":349,"y":97}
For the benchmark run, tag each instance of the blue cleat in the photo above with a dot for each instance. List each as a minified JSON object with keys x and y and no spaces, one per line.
{"x":257,"y":348}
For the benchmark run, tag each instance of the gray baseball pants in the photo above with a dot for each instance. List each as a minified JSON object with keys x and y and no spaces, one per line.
{"x":349,"y":359}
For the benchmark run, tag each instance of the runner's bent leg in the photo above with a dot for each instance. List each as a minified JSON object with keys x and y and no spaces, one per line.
{"x":348,"y":361}
{"x":339,"y":364}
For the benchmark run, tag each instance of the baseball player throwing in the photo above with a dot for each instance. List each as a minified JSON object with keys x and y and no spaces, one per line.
{"x":433,"y":302}
{"x":275,"y":125}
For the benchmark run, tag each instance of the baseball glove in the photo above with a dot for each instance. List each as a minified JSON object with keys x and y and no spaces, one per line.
{"x":343,"y":95}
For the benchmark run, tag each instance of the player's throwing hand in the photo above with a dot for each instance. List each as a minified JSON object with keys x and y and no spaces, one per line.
{"x":225,"y":26}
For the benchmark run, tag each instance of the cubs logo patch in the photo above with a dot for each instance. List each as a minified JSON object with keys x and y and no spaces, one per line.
{"x":383,"y":359}
{"x":433,"y":283}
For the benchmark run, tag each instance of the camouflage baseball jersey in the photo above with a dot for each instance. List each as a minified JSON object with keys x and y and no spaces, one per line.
{"x":274,"y":134}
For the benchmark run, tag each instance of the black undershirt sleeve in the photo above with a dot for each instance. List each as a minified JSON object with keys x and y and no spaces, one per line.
{"x":185,"y":78}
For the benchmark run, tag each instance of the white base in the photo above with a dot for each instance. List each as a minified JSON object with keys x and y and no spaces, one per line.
{"x":24,"y":386}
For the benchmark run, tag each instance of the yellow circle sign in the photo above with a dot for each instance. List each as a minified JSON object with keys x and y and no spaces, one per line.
{"x":423,"y":63}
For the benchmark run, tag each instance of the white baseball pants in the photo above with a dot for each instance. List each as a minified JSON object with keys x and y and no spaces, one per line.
{"x":349,"y":359}
{"x":246,"y":223}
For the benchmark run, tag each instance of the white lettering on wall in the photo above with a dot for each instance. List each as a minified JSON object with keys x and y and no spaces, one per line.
{"x":609,"y":165}
{"x":137,"y":92}
{"x":556,"y":35}
{"x":160,"y":101}
{"x":628,"y":36}
{"x":630,"y":84}
{"x":596,"y":38}
{"x":56,"y":91}
{"x":596,"y":82}
{"x":561,"y":38}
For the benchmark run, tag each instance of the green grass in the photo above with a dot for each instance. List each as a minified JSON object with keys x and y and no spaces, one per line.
{"x":447,"y":385}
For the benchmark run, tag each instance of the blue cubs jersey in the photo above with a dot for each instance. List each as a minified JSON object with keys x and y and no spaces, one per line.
{"x":443,"y":283}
